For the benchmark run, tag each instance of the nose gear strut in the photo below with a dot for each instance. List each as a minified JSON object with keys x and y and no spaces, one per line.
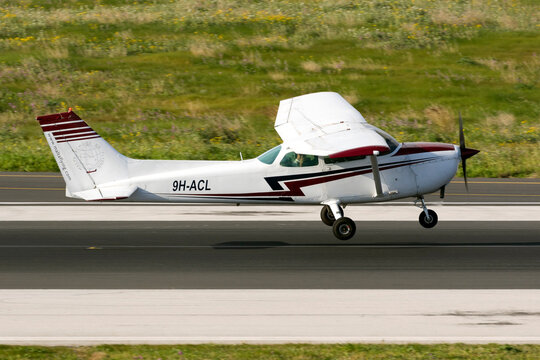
{"x":428,"y":218}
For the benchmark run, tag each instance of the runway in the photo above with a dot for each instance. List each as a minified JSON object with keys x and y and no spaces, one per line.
{"x":48,"y":241}
{"x":268,"y":255}
{"x":86,"y":273}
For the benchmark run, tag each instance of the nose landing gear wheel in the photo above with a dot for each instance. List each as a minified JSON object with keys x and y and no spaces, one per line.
{"x":344,"y":228}
{"x":430,"y":222}
{"x":327,"y":216}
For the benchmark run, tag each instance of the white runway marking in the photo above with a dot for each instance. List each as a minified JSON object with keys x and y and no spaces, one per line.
{"x":259,"y":213}
{"x":81,"y":317}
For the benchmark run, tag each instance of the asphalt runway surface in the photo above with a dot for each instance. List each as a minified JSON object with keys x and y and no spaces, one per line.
{"x":50,"y":187}
{"x":268,"y":255}
{"x":271,"y":255}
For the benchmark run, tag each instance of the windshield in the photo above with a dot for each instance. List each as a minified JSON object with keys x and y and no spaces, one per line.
{"x":390,"y":141}
{"x":269,"y":156}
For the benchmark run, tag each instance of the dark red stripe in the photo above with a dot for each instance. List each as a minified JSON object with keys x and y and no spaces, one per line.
{"x":62,"y":137}
{"x":295,"y":186}
{"x":360,"y":151}
{"x":422,"y":147}
{"x":69,"y":132}
{"x":85,"y":138}
{"x":57,"y":118}
{"x":64,"y":126}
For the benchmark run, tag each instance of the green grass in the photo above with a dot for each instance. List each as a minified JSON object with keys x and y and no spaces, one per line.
{"x":263,"y":352}
{"x":182,"y":80}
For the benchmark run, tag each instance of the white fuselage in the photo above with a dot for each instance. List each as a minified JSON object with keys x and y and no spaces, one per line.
{"x":412,"y":169}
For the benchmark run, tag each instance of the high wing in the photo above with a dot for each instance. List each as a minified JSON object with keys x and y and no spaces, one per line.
{"x":325,"y":124}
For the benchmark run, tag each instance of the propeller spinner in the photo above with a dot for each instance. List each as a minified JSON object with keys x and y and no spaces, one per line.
{"x":464,"y":151}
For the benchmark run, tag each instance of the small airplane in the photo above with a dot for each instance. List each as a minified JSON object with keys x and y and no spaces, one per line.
{"x":330,"y":156}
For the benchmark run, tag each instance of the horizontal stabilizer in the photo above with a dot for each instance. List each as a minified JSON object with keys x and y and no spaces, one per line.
{"x":106,"y":193}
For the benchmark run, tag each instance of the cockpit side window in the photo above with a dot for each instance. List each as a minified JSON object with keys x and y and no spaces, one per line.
{"x":269,"y":156}
{"x":293,"y":159}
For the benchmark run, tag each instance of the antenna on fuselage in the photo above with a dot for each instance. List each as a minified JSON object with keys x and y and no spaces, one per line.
{"x":241,"y":158}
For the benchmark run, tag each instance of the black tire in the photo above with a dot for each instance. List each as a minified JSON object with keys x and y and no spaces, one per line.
{"x":433,"y":219}
{"x":344,"y":228}
{"x":327,"y":216}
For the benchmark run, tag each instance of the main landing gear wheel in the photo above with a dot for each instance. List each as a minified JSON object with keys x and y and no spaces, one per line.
{"x":327,"y":216}
{"x":430,"y":222}
{"x":344,"y":228}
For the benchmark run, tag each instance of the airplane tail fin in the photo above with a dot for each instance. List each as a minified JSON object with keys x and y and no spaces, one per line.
{"x":89,"y":164}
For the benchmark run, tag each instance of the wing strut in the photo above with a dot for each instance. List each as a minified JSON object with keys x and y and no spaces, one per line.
{"x":376,"y":173}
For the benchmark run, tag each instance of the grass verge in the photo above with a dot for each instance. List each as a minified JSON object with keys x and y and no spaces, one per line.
{"x":188,"y":80}
{"x":290,"y":352}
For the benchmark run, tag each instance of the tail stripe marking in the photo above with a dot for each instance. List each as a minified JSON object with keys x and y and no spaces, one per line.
{"x":57,"y":118}
{"x":74,"y":131}
{"x":65,"y":126}
{"x":77,"y":139}
{"x":87,"y":133}
{"x":62,"y":122}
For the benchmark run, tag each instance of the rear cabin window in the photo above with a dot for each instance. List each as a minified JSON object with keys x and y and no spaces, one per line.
{"x":328,"y":160}
{"x":293,"y":159}
{"x":269,"y":156}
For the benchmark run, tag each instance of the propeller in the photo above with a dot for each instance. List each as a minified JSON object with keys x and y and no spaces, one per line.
{"x":464,"y":151}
